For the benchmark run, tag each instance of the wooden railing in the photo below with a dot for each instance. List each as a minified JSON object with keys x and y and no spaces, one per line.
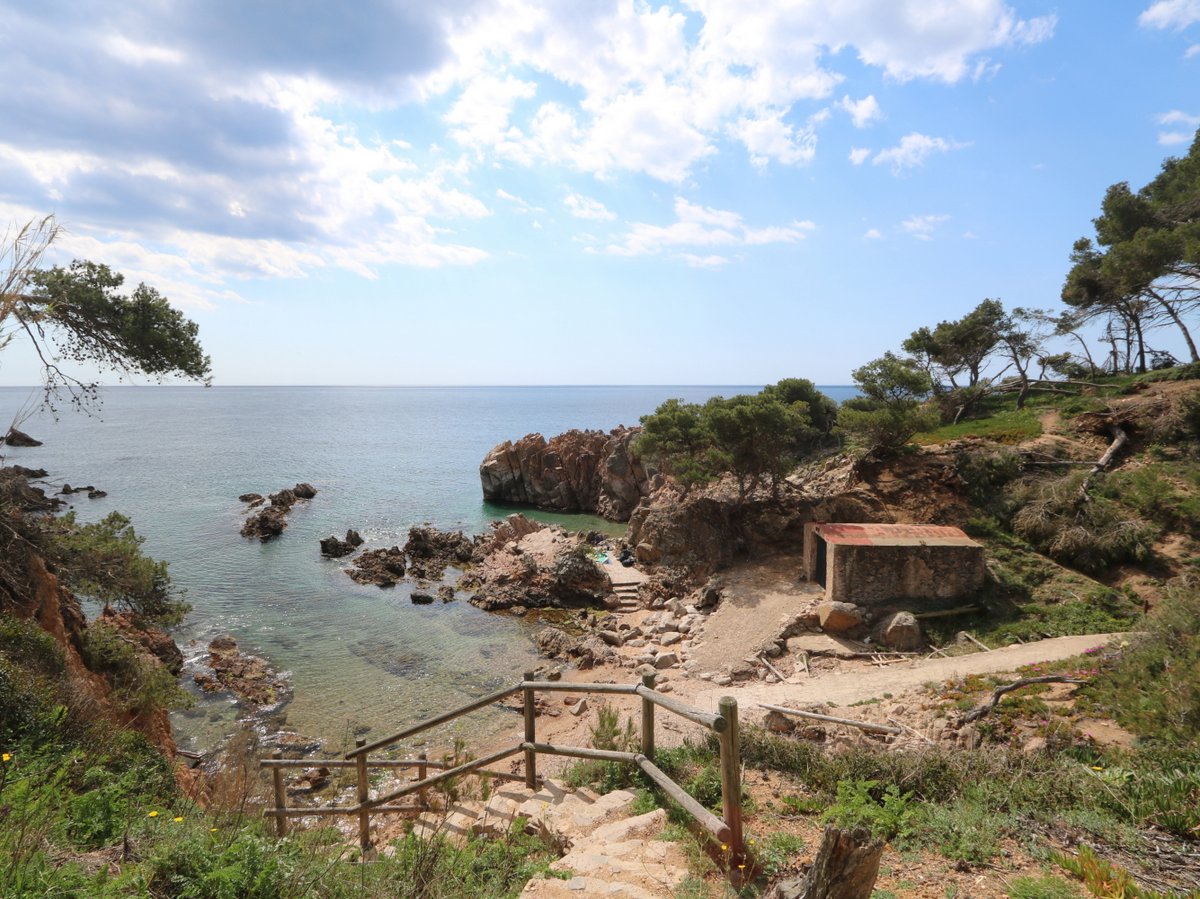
{"x":727,"y":828}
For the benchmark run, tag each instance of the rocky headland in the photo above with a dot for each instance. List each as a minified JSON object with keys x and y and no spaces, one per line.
{"x":578,"y":471}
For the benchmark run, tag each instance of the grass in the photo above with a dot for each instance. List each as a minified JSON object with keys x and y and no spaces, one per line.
{"x":1007,"y":426}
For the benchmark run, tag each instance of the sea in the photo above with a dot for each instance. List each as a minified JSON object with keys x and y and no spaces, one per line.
{"x":360,"y":660}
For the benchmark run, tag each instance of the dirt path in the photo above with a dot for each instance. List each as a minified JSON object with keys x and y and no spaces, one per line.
{"x":757,"y":598}
{"x":846,"y":687}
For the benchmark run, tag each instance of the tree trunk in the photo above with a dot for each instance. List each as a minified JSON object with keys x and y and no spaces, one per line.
{"x":1187,"y":335}
{"x":846,"y":867}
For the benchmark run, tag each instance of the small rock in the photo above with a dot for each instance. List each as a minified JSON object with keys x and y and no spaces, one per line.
{"x":421,"y":598}
{"x":670,"y":638}
{"x":579,"y":708}
{"x":612,"y":638}
{"x":304,"y":491}
{"x":354,"y":538}
{"x":666,"y":660}
{"x":722,"y":680}
{"x":19,"y":438}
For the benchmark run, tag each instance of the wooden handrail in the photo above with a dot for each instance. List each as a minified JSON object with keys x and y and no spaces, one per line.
{"x":728,"y":831}
{"x":434,"y":722}
{"x":707,"y":719}
{"x":445,"y":775}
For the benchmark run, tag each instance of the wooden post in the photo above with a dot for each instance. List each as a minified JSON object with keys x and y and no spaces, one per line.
{"x":364,"y":815}
{"x":422,"y":773}
{"x":530,"y":736}
{"x":731,"y":777}
{"x":280,"y":796}
{"x":648,"y":719}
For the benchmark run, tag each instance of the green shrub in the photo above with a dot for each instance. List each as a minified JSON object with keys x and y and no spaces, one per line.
{"x":885,"y":811}
{"x":1154,"y":688}
{"x":1045,"y":887}
{"x":140,"y":682}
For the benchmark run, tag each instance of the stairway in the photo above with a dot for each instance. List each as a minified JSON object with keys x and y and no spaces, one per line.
{"x":607,"y":850}
{"x":627,"y":597}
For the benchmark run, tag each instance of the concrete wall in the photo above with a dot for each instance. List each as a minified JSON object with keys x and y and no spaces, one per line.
{"x":873,"y":575}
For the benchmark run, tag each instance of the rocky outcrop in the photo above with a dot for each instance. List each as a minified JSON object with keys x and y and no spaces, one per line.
{"x":18,"y":438}
{"x":707,"y":529}
{"x":16,"y":490}
{"x":335,"y":547}
{"x":156,"y":642}
{"x":579,"y":471}
{"x":249,"y":678}
{"x":546,"y":568}
{"x":431,"y":551}
{"x":271,"y":521}
{"x":381,"y":567}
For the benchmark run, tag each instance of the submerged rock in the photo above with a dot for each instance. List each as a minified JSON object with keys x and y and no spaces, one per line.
{"x":266,"y":524}
{"x":249,"y":678}
{"x":335,"y":548}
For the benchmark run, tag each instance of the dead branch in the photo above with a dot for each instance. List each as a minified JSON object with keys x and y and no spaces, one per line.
{"x":976,"y":713}
{"x":850,"y":722}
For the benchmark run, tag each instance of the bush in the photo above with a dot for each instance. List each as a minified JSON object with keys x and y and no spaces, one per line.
{"x":884,"y":811}
{"x":140,"y":682}
{"x":1089,"y":533}
{"x":1154,"y":688}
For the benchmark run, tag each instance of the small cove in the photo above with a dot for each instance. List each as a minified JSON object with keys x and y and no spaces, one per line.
{"x":360,"y":659}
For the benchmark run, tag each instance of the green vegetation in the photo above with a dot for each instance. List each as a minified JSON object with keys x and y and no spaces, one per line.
{"x":1010,"y":426}
{"x":756,"y":438}
{"x":889,"y":412}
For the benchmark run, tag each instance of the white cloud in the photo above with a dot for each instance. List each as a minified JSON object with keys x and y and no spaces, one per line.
{"x":1175,"y":14}
{"x":1176,"y":136}
{"x":654,"y":89}
{"x":699,"y":226}
{"x":1193,"y":50}
{"x":872,"y":234}
{"x":586,"y":208}
{"x":913,"y":150}
{"x":922,"y":226}
{"x":480,"y":116}
{"x":862,"y":112}
{"x":770,"y":138}
{"x":709,"y":262}
{"x":858,"y":155}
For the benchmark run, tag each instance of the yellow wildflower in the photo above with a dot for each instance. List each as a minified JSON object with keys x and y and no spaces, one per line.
{"x":152,"y":815}
{"x":178,"y":819}
{"x":6,"y":757}
{"x":1097,"y":768}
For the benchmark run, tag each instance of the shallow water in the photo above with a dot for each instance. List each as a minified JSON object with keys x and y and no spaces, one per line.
{"x":360,"y":659}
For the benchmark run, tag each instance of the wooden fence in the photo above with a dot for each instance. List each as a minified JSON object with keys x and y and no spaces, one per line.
{"x":727,"y":828}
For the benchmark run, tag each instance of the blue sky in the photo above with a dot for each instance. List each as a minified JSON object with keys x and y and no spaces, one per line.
{"x":514,"y":192}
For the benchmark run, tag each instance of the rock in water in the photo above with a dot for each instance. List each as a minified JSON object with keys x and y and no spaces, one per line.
{"x":382,"y":567}
{"x":19,"y":438}
{"x":266,"y":524}
{"x":579,"y":471}
{"x":335,"y":548}
{"x":354,"y":538}
{"x":304,"y":490}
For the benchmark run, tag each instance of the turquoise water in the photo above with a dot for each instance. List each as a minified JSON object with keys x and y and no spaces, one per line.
{"x":175,"y":460}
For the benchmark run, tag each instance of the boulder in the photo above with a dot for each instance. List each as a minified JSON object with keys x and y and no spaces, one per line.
{"x":354,"y":538}
{"x":430,"y":551}
{"x":335,"y":548}
{"x":28,"y":472}
{"x":446,"y":593}
{"x":248,"y":677}
{"x":97,"y":494}
{"x":421,"y":598}
{"x":304,"y":490}
{"x":18,"y":438}
{"x":666,"y":660}
{"x":266,"y":524}
{"x":839,"y":617}
{"x":900,"y":631}
{"x":254,"y":499}
{"x":647,"y":554}
{"x":284,"y":499}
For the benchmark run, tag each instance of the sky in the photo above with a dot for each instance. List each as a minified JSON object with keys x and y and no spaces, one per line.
{"x":585,"y":192}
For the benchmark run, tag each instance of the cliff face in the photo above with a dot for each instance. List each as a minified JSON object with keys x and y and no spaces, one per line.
{"x":708,"y":529}
{"x":57,"y":611}
{"x":579,"y":471}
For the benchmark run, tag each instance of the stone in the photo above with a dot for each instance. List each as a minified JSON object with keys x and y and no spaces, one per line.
{"x":335,"y":548}
{"x":900,"y":631}
{"x":839,"y":617}
{"x":97,"y":494}
{"x":722,"y":680}
{"x":382,"y":567}
{"x":612,"y":638}
{"x":445,"y":593}
{"x":670,"y":638}
{"x":354,"y":538}
{"x":304,"y":491}
{"x":666,"y":660}
{"x":647,"y":554}
{"x":421,"y":598}
{"x":579,"y":708}
{"x":19,"y":438}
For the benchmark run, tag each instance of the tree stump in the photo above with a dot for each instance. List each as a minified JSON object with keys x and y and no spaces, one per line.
{"x":846,"y":867}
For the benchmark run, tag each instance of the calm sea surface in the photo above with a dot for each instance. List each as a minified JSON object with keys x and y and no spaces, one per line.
{"x":175,"y":460}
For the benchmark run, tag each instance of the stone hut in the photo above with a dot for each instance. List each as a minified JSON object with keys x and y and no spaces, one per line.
{"x":875,"y":564}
